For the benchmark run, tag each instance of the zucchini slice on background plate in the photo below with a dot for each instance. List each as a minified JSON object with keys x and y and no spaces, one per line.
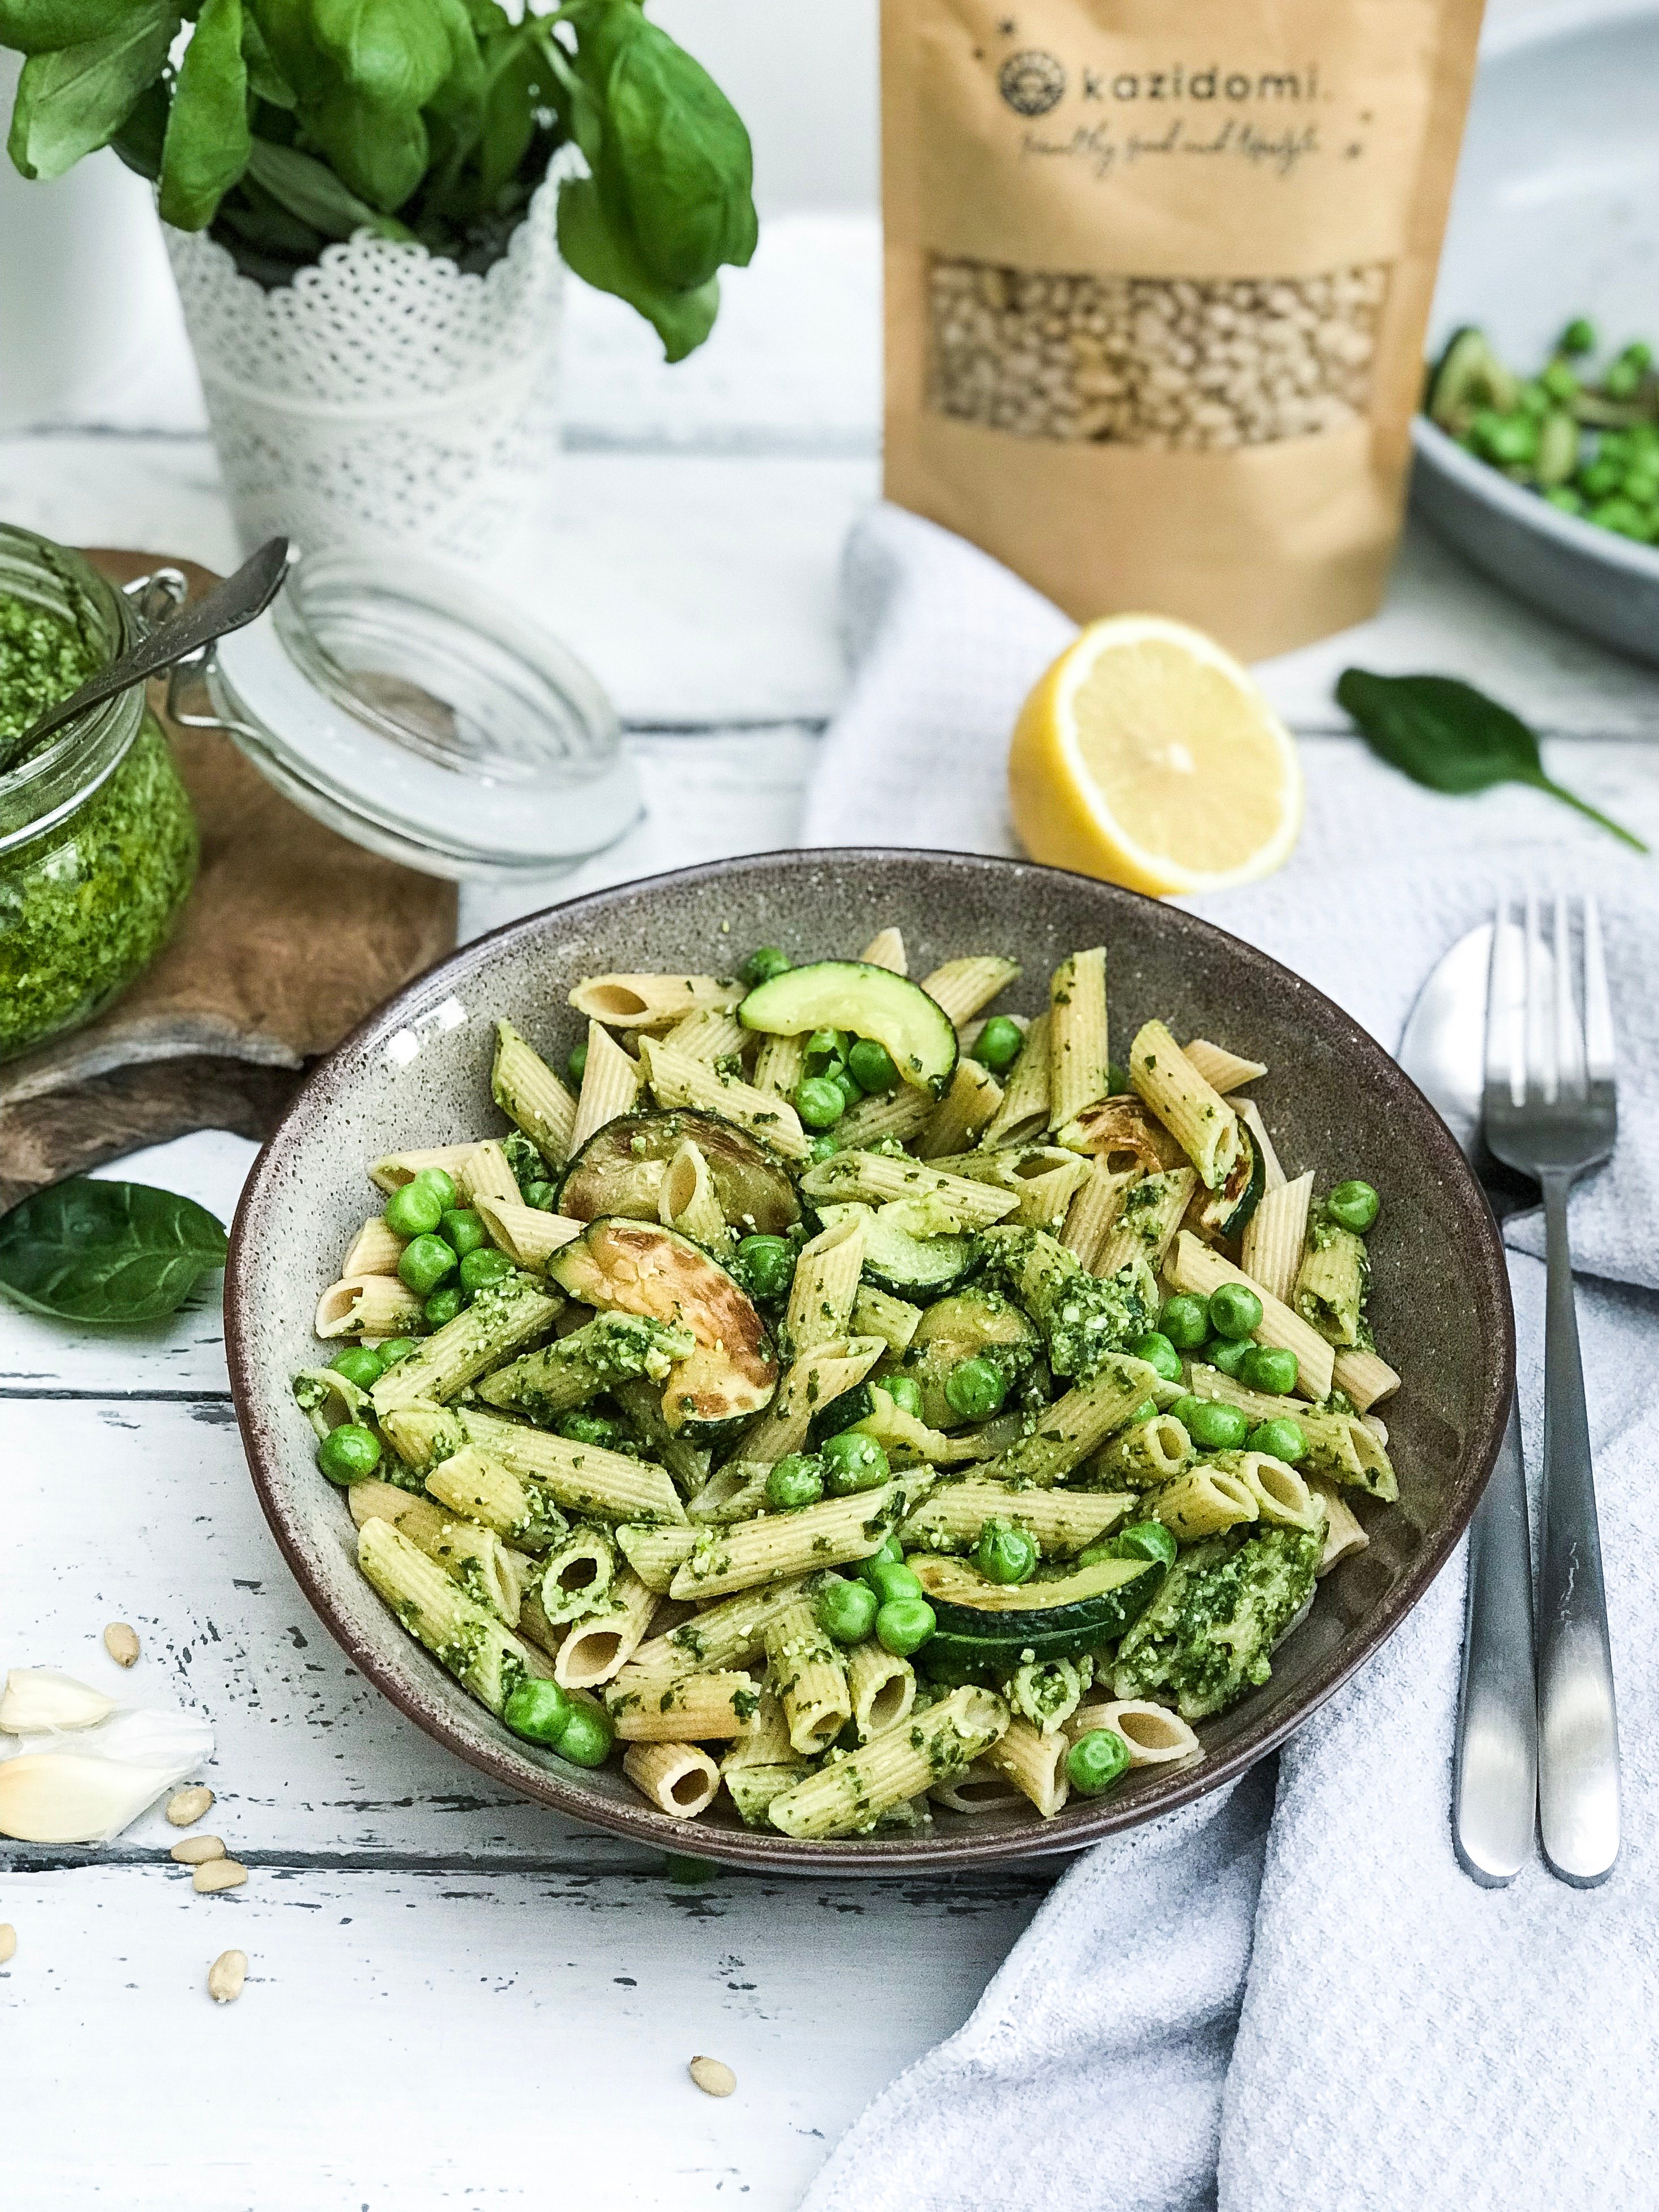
{"x":636,"y":1266}
{"x":869,"y":1002}
{"x":620,"y":1170}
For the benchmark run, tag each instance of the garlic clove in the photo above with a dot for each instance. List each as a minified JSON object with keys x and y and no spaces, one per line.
{"x":73,"y":1797}
{"x":36,"y":1698}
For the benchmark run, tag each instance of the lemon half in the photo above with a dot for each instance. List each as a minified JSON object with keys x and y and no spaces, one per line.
{"x":1147,"y":756}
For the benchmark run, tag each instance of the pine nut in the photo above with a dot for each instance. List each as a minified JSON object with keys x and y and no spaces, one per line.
{"x":219,"y":1873}
{"x":196,"y":1850}
{"x":121,"y":1642}
{"x":186,"y":1806}
{"x":713,"y":2077}
{"x":1132,"y":359}
{"x":8,"y":1942}
{"x":226,"y":1976}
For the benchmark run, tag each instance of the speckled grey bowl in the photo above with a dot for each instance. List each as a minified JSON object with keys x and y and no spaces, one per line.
{"x":417,"y":1074}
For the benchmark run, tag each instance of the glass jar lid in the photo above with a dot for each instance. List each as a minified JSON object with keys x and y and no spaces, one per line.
{"x":425,"y":719}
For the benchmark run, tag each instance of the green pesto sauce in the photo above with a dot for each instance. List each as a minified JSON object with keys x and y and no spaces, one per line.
{"x":42,"y":659}
{"x":87,"y":905}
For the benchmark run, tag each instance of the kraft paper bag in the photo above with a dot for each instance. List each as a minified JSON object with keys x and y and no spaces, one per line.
{"x":1157,"y":282}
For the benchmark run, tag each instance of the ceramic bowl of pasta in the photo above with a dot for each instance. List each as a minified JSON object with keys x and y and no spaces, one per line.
{"x":848,"y":1357}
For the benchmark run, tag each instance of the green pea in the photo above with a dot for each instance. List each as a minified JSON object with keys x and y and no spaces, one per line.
{"x":1006,"y":1554}
{"x":424,"y":1264}
{"x":463,"y":1230}
{"x":1235,"y":1311}
{"x":871,"y":1065}
{"x":538,"y":1710}
{"x":585,"y":1738}
{"x":852,"y":1462}
{"x":766,"y":1264}
{"x":1533,"y":398}
{"x":765,"y":962}
{"x":575,"y":1062}
{"x":826,"y":1052}
{"x":1563,"y":496}
{"x":483,"y":1267}
{"x":891,"y":1553}
{"x":1185,"y":1321}
{"x":1097,"y":1762}
{"x":395,"y":1348}
{"x":974,"y":1388}
{"x":1280,"y":1438}
{"x":440,"y":1185}
{"x":1184,"y":1409}
{"x":1118,"y":1084}
{"x":348,"y":1453}
{"x":1144,"y":1540}
{"x":1578,"y":338}
{"x":819,"y":1100}
{"x":1620,"y":515}
{"x":843,"y":1080}
{"x":443,"y":1306}
{"x":998,"y":1044}
{"x":1269,"y":1368}
{"x":890,"y":1579}
{"x":904,"y":1624}
{"x":905,"y":1391}
{"x":359,"y":1365}
{"x":847,"y":1611}
{"x":821,"y":1148}
{"x":542,"y":1195}
{"x":414,"y":1211}
{"x":794,"y":1481}
{"x":1215,"y":1426}
{"x":1605,"y":474}
{"x":1511,"y":440}
{"x":1156,"y":1349}
{"x":1143,"y":1412}
{"x":1560,"y":383}
{"x":1353,"y":1204}
{"x":1226,"y":1352}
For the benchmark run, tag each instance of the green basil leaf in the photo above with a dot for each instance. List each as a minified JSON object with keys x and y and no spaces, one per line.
{"x":74,"y":99}
{"x":263,"y":76}
{"x":606,"y":258}
{"x":516,"y":73}
{"x":208,"y":141}
{"x":1450,"y":737}
{"x":396,"y":52}
{"x":107,"y":1253}
{"x":309,"y":190}
{"x":677,"y":152}
{"x":379,"y":153}
{"x":140,"y":139}
{"x":41,"y":27}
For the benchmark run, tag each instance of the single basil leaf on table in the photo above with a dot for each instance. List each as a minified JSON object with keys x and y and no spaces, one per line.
{"x":207,"y":144}
{"x":1448,"y":737}
{"x":74,"y":99}
{"x":107,"y":1253}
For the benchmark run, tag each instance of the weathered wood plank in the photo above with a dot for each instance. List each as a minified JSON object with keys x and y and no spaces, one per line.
{"x":443,"y":2040}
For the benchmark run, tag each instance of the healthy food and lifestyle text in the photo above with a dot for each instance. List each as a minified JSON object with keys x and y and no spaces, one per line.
{"x":843,"y":1397}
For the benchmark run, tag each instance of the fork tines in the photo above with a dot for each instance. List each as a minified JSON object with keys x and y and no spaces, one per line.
{"x":1545,"y":965}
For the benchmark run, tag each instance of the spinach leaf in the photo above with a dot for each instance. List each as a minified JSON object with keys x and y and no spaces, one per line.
{"x":1448,"y":737}
{"x":606,"y":258}
{"x":107,"y":1253}
{"x":679,"y":157}
{"x":74,"y":99}
{"x":208,"y":141}
{"x":309,"y":190}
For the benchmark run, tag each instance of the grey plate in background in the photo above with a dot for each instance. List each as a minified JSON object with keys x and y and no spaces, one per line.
{"x":1555,"y":214}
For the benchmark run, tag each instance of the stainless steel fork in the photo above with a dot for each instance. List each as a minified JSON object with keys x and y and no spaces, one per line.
{"x":1550,"y":1110}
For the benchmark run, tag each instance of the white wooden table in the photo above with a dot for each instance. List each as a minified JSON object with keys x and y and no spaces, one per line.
{"x":455,"y":1998}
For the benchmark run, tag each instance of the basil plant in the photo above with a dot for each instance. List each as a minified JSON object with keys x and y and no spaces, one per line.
{"x":279,"y":125}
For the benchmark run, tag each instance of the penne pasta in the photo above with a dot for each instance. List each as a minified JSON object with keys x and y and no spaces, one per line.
{"x":1094,"y":1211}
{"x":485,"y":1173}
{"x":1063,"y":1522}
{"x":1204,"y":1502}
{"x":611,"y":1086}
{"x":676,"y":1079}
{"x":882,"y":1687}
{"x":806,"y":1672}
{"x":375,"y":1250}
{"x":824,"y":1287}
{"x":1275,"y":1235}
{"x":1194,"y":1267}
{"x":705,"y":1708}
{"x":962,"y":1116}
{"x":601,"y":1644}
{"x":679,"y":1780}
{"x":1222,"y":1070}
{"x":637,"y":1002}
{"x":918,"y":1754}
{"x":1156,"y":1736}
{"x":886,"y":950}
{"x":527,"y":1236}
{"x":710,"y":1036}
{"x":367,"y":1305}
{"x":690,"y":1203}
{"x":781,"y":1544}
{"x":505,"y":1316}
{"x":962,"y":988}
{"x":1077,"y":1069}
{"x":1024,"y":1111}
{"x":1035,"y":1763}
{"x":878,"y":1178}
{"x":1196,"y":1116}
{"x":463,"y":1636}
{"x":532,"y":1096}
{"x":393,"y":1170}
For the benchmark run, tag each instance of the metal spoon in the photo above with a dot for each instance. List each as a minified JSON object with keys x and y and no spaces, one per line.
{"x":1495,"y":1777}
{"x":230,"y":606}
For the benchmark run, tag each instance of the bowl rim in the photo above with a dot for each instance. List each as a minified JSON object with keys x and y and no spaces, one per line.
{"x":642,"y":1824}
{"x":1574,"y":536}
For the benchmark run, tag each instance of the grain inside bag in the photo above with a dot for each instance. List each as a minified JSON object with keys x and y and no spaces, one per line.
{"x":1157,"y":281}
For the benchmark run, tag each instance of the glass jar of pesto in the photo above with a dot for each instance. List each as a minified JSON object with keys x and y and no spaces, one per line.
{"x":97,"y":839}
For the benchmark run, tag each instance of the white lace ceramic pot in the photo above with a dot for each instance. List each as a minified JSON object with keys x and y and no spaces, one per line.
{"x":382,"y":398}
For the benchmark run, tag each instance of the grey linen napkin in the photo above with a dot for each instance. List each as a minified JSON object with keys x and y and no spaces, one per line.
{"x":1299,"y":2004}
